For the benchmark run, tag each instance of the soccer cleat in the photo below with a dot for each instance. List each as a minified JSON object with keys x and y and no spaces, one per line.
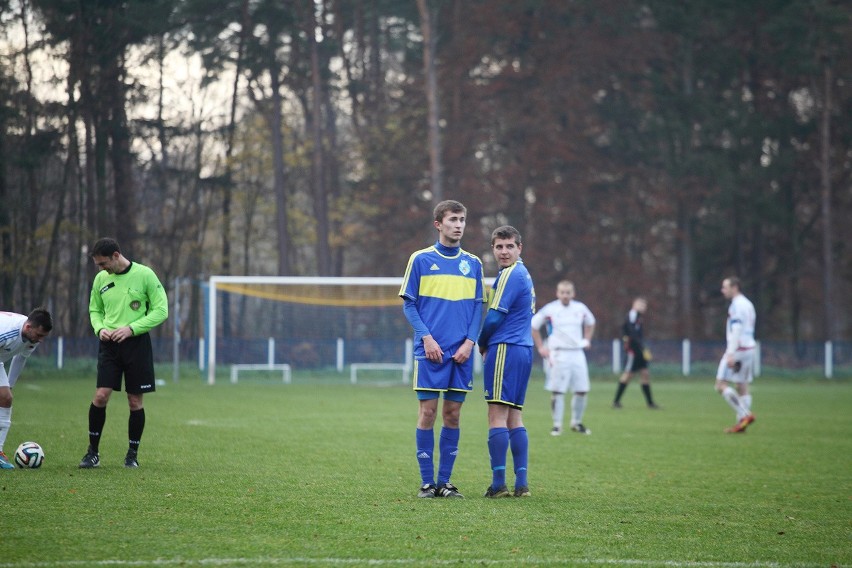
{"x":653,"y":406}
{"x":580,"y":429}
{"x":448,"y":490}
{"x":130,"y":459}
{"x":4,"y":462}
{"x":556,"y":431}
{"x":740,"y":427}
{"x":427,"y":491}
{"x":492,"y":493}
{"x":90,"y":460}
{"x":616,"y":404}
{"x":522,"y":491}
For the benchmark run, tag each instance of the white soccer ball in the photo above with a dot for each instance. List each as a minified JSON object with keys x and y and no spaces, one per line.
{"x":29,"y":454}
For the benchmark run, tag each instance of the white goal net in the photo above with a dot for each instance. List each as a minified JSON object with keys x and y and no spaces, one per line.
{"x":283,"y":325}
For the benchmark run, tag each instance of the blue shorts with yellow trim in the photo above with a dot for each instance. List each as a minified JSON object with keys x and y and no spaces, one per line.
{"x":444,"y":376}
{"x":507,"y":373}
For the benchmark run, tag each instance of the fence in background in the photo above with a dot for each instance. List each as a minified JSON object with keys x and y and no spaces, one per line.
{"x":829,"y":359}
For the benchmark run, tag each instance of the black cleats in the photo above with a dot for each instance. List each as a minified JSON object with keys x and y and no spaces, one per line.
{"x":90,"y":460}
{"x":448,"y":490}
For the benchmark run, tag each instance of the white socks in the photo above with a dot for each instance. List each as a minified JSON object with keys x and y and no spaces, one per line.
{"x":5,"y":424}
{"x":737,"y":403}
{"x":578,"y":408}
{"x":557,"y":404}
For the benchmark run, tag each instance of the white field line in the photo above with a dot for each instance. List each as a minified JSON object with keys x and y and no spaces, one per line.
{"x":289,"y":561}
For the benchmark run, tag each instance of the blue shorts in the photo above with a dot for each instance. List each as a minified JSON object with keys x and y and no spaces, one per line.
{"x":444,"y":376}
{"x":507,"y":374}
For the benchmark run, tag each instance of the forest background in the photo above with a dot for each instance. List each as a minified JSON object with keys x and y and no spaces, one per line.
{"x":645,"y":147}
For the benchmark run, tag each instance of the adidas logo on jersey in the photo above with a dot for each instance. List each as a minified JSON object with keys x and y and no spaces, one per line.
{"x":434,"y":267}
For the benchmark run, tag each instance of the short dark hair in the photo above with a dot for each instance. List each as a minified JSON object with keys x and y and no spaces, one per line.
{"x":506,"y":232}
{"x":448,"y":206}
{"x":40,"y":317}
{"x":106,"y":247}
{"x":733,"y":281}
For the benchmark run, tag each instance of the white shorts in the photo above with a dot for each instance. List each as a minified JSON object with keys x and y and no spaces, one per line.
{"x":746,"y":373}
{"x":567,"y":370}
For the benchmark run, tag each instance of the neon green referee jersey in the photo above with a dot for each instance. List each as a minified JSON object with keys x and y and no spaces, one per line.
{"x":134,"y":298}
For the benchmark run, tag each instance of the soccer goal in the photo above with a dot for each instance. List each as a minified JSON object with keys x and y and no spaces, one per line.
{"x":290,"y":324}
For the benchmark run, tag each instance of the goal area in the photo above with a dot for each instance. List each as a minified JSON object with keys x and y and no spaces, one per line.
{"x":278,"y":325}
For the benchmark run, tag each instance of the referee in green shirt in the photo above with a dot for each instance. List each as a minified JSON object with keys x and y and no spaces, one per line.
{"x":127,"y":301}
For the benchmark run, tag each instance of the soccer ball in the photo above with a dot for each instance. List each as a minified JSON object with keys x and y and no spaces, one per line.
{"x":29,"y":454}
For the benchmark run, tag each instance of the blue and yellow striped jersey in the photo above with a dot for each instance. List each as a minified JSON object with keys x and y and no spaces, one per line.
{"x":513,"y":294}
{"x":446,"y":285}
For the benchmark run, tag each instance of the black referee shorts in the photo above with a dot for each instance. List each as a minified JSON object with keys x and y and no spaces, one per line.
{"x":635,"y":361}
{"x":133,"y":358}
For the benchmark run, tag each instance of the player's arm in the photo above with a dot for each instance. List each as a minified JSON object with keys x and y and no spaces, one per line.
{"x":430,"y":346}
{"x":96,"y":312}
{"x":588,"y":334}
{"x":736,"y":330}
{"x":15,"y":368}
{"x":158,"y":309}
{"x":462,"y":354}
{"x":493,"y":319}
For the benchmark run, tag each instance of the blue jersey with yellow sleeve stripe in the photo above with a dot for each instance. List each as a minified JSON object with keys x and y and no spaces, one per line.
{"x":447,"y":287}
{"x":514,"y":295}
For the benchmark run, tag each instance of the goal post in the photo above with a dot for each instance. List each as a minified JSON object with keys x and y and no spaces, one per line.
{"x":306,"y":310}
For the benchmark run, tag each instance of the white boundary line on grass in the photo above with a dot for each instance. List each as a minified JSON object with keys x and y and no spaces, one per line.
{"x":271,"y":561}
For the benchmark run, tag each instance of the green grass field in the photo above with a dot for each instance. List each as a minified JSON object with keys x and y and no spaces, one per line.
{"x":323,"y":473}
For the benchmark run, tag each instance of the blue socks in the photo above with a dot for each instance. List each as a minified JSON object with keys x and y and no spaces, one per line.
{"x":449,"y":447}
{"x":498,"y":445}
{"x":520,"y":443}
{"x":425,"y":440}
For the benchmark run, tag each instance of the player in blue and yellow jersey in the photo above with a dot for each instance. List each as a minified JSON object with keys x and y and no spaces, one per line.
{"x":126,"y":302}
{"x":506,"y":344}
{"x":442,"y":291}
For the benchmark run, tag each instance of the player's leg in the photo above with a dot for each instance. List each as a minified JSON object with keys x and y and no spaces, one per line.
{"x":424,"y":438}
{"x":519,"y":444}
{"x":580,"y":386}
{"x":557,"y":384}
{"x":724,"y":376}
{"x":493,"y":381}
{"x":135,"y":427}
{"x":624,"y":379}
{"x":138,"y":360}
{"x":645,"y":382}
{"x":5,"y":419}
{"x":108,"y":379}
{"x":519,"y":366}
{"x":449,"y":443}
{"x":498,"y":447}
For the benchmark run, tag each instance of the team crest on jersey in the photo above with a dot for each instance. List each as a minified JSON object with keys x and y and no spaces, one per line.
{"x":464,"y":267}
{"x":135,"y":304}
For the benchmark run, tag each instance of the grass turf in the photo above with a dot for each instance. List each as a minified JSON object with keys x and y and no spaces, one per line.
{"x":323,"y":473}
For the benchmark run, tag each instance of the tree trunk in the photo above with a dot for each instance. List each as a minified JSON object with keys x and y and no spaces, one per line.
{"x":436,"y":173}
{"x":318,"y":158}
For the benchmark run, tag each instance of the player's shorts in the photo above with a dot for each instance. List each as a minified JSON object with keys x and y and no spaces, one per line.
{"x":507,"y":373}
{"x":742,"y":373}
{"x":133,"y":358}
{"x":444,"y":376}
{"x":4,"y":378}
{"x":635,"y":361}
{"x":567,"y":371}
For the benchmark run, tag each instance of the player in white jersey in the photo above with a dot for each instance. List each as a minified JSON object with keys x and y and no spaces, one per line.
{"x":19,"y":336}
{"x":570,"y":327}
{"x":737,"y":364}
